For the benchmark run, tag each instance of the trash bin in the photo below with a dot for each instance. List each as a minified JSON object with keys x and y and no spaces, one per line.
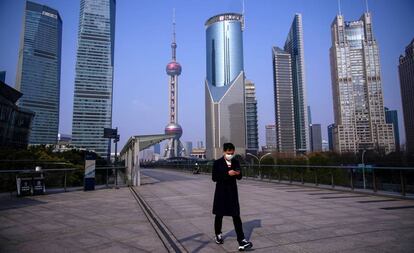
{"x":38,"y":183}
{"x":30,"y":183}
{"x":24,"y":186}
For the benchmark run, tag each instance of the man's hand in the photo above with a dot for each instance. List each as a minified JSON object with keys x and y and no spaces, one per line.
{"x":234,"y":172}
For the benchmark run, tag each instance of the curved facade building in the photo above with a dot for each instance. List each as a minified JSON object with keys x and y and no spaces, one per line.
{"x":225,"y":92}
{"x":224,"y":43}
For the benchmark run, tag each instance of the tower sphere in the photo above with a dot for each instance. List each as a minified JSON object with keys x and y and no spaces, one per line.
{"x":173,"y":68}
{"x":173,"y":128}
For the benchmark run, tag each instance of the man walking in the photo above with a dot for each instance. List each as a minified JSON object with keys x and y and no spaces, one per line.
{"x":226,"y":199}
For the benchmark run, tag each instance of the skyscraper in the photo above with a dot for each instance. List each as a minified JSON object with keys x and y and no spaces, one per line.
{"x":316,"y":137}
{"x":224,"y":85}
{"x":92,"y":107}
{"x":38,"y":70}
{"x":391,"y":117}
{"x":295,"y":47}
{"x":356,"y":88}
{"x":406,"y":72}
{"x":174,"y":147}
{"x":270,"y":137}
{"x":330,"y":137}
{"x":251,"y":118}
{"x":284,"y":106}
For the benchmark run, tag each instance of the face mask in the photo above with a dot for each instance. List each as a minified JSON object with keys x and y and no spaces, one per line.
{"x":228,"y":157}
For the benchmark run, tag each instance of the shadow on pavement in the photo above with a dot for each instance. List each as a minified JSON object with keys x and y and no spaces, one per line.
{"x":198,"y":239}
{"x":248,"y":228}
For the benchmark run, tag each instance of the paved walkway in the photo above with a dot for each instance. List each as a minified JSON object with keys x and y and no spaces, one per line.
{"x":276,"y":217}
{"x":106,"y":220}
{"x":282,"y":218}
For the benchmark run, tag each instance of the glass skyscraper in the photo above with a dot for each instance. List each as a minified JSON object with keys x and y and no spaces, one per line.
{"x":294,"y":46}
{"x":391,"y":117}
{"x":356,"y":88}
{"x":224,"y":85}
{"x":251,"y":118}
{"x":406,"y":73}
{"x":92,"y":107}
{"x":38,"y":70}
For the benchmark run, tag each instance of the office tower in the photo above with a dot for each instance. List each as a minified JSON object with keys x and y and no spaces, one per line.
{"x":251,"y":118}
{"x":224,"y":85}
{"x":174,"y":148}
{"x":270,"y":137}
{"x":406,"y":73}
{"x":325,"y":145}
{"x":309,"y":116}
{"x":38,"y":70}
{"x":356,"y":88}
{"x":330,"y":137}
{"x":92,"y":107}
{"x":391,"y":117}
{"x":188,"y":146}
{"x":157,"y":148}
{"x":284,"y":106}
{"x":200,"y":144}
{"x":316,"y":137}
{"x":295,"y":47}
{"x":3,"y":76}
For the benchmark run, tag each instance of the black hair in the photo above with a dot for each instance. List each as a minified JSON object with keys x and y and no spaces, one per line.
{"x":228,"y":147}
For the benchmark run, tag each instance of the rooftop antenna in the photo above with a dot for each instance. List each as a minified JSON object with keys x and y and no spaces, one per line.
{"x":366,"y":5}
{"x":243,"y":18}
{"x":339,"y":7}
{"x":173,"y":44}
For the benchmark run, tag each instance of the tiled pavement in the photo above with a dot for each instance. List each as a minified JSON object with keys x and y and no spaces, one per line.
{"x":276,"y":217}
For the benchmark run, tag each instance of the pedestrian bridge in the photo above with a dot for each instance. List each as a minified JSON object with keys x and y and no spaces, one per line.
{"x":171,"y":212}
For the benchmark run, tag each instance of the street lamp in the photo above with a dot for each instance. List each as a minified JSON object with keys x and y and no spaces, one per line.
{"x":363,"y":167}
{"x":259,"y":160}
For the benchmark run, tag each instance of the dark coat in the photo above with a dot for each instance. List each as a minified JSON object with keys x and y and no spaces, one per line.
{"x":226,"y":197}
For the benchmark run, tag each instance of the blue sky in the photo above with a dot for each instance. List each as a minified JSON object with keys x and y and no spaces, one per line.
{"x":142,"y":50}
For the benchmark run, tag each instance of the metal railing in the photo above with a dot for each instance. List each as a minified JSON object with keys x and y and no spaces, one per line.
{"x":65,"y":177}
{"x":387,"y":179}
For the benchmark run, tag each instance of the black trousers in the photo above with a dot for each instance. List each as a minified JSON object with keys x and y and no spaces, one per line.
{"x":218,"y":222}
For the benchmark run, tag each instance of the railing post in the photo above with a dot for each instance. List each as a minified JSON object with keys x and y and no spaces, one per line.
{"x":374,"y":181}
{"x":316,"y":177}
{"x":278,"y":173}
{"x":352,"y":179}
{"x":290,"y":175}
{"x":301,"y":175}
{"x":402,"y":183}
{"x":64,"y":181}
{"x":107,"y":177}
{"x":332,"y":179}
{"x":116,"y":177}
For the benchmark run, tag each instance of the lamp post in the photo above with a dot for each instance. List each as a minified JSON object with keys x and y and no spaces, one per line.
{"x":363,"y":167}
{"x":259,"y":160}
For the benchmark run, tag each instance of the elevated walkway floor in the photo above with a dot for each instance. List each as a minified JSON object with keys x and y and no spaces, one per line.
{"x":276,"y":217}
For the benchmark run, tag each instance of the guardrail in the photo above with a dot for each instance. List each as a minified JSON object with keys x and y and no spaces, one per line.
{"x":389,"y":179}
{"x":65,"y":177}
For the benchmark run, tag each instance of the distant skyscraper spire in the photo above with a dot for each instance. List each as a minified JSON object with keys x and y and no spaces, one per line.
{"x":366,"y":6}
{"x":244,"y":18}
{"x":339,"y":7}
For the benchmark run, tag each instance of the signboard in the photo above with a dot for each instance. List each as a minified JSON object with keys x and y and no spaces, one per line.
{"x":90,"y":161}
{"x":110,"y":133}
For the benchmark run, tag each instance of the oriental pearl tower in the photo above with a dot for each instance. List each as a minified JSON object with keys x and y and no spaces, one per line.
{"x":174,"y":147}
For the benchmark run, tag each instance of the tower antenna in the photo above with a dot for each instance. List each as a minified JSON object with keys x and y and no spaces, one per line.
{"x":366,"y":5}
{"x":243,"y":18}
{"x":173,"y":44}
{"x":339,"y":7}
